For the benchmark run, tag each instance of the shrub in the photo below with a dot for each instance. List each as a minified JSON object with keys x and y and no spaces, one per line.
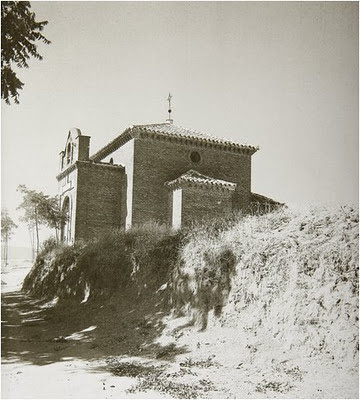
{"x":140,"y":258}
{"x":49,"y":244}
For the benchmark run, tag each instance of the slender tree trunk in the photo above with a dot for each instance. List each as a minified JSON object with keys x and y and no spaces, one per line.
{"x":31,"y":233}
{"x":4,"y":255}
{"x":37,"y":232}
{"x":6,"y":250}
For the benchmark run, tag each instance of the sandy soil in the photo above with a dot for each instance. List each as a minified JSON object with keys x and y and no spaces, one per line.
{"x":32,"y":369}
{"x":260,"y":370}
{"x":56,"y":353}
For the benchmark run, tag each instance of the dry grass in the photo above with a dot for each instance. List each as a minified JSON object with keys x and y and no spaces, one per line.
{"x":290,"y":275}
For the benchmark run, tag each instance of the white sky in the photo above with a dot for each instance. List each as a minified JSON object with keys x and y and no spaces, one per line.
{"x":281,"y":75}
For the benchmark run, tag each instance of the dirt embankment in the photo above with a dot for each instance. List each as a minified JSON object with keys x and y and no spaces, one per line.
{"x":269,"y":304}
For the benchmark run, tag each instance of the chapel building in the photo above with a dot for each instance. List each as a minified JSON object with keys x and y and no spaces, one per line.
{"x":155,"y":172}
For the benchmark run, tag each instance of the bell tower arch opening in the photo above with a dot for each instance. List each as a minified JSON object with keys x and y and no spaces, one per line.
{"x":68,"y":154}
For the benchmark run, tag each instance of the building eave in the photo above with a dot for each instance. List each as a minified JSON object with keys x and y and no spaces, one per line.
{"x":99,"y":165}
{"x":261,"y":199}
{"x":210,"y":142}
{"x":147,"y":132}
{"x":195,"y":179}
{"x":78,"y":164}
{"x":66,"y":171}
{"x":199,"y":185}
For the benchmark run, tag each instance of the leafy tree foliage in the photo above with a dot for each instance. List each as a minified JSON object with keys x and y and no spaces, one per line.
{"x":7,"y":229}
{"x":53,"y":216}
{"x":40,"y":209}
{"x":19,"y":32}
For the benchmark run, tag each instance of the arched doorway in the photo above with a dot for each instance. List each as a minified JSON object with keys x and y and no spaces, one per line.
{"x":65,"y":228}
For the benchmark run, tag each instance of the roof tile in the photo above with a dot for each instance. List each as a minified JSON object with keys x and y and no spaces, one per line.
{"x":194,"y":178}
{"x":179,"y":131}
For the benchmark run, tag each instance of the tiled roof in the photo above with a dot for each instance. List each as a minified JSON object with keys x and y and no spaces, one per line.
{"x":258,"y":198}
{"x":172,"y":130}
{"x":169,"y":131}
{"x":194,"y":178}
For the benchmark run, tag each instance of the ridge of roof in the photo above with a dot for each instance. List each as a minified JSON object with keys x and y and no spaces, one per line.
{"x":171,"y":131}
{"x":195,"y":178}
{"x":179,"y":131}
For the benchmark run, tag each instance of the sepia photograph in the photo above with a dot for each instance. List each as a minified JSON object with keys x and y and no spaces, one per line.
{"x":179,"y":199}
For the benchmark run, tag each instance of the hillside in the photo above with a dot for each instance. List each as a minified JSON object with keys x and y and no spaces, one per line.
{"x":290,"y":324}
{"x":258,"y":306}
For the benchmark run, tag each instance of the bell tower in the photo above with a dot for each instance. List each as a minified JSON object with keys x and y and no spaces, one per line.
{"x":77,"y":148}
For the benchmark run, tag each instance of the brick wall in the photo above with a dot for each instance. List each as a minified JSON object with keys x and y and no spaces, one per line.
{"x":156,"y":162}
{"x":100,"y":201}
{"x":83,"y":147}
{"x":125,"y":156}
{"x":201,"y":203}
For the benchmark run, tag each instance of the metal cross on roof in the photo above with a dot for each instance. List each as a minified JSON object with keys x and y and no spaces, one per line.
{"x":169,"y":100}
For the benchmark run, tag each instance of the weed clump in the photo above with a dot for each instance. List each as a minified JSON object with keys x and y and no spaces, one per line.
{"x":133,"y":370}
{"x":207,"y":363}
{"x":178,"y":390}
{"x":274,"y":386}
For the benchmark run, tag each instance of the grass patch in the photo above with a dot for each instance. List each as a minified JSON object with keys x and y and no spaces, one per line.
{"x":133,"y":370}
{"x":177,"y":390}
{"x":188,"y":363}
{"x":273,"y":386}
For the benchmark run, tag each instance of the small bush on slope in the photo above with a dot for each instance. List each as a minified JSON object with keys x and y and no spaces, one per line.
{"x":294,"y":277}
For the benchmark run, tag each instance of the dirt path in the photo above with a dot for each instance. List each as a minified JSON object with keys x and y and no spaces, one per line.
{"x":53,"y":352}
{"x":105,"y":351}
{"x":33,"y":362}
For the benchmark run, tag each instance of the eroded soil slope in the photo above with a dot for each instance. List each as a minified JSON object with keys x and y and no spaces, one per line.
{"x":259,"y":306}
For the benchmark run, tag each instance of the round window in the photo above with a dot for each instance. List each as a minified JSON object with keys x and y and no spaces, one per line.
{"x":195,"y":157}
